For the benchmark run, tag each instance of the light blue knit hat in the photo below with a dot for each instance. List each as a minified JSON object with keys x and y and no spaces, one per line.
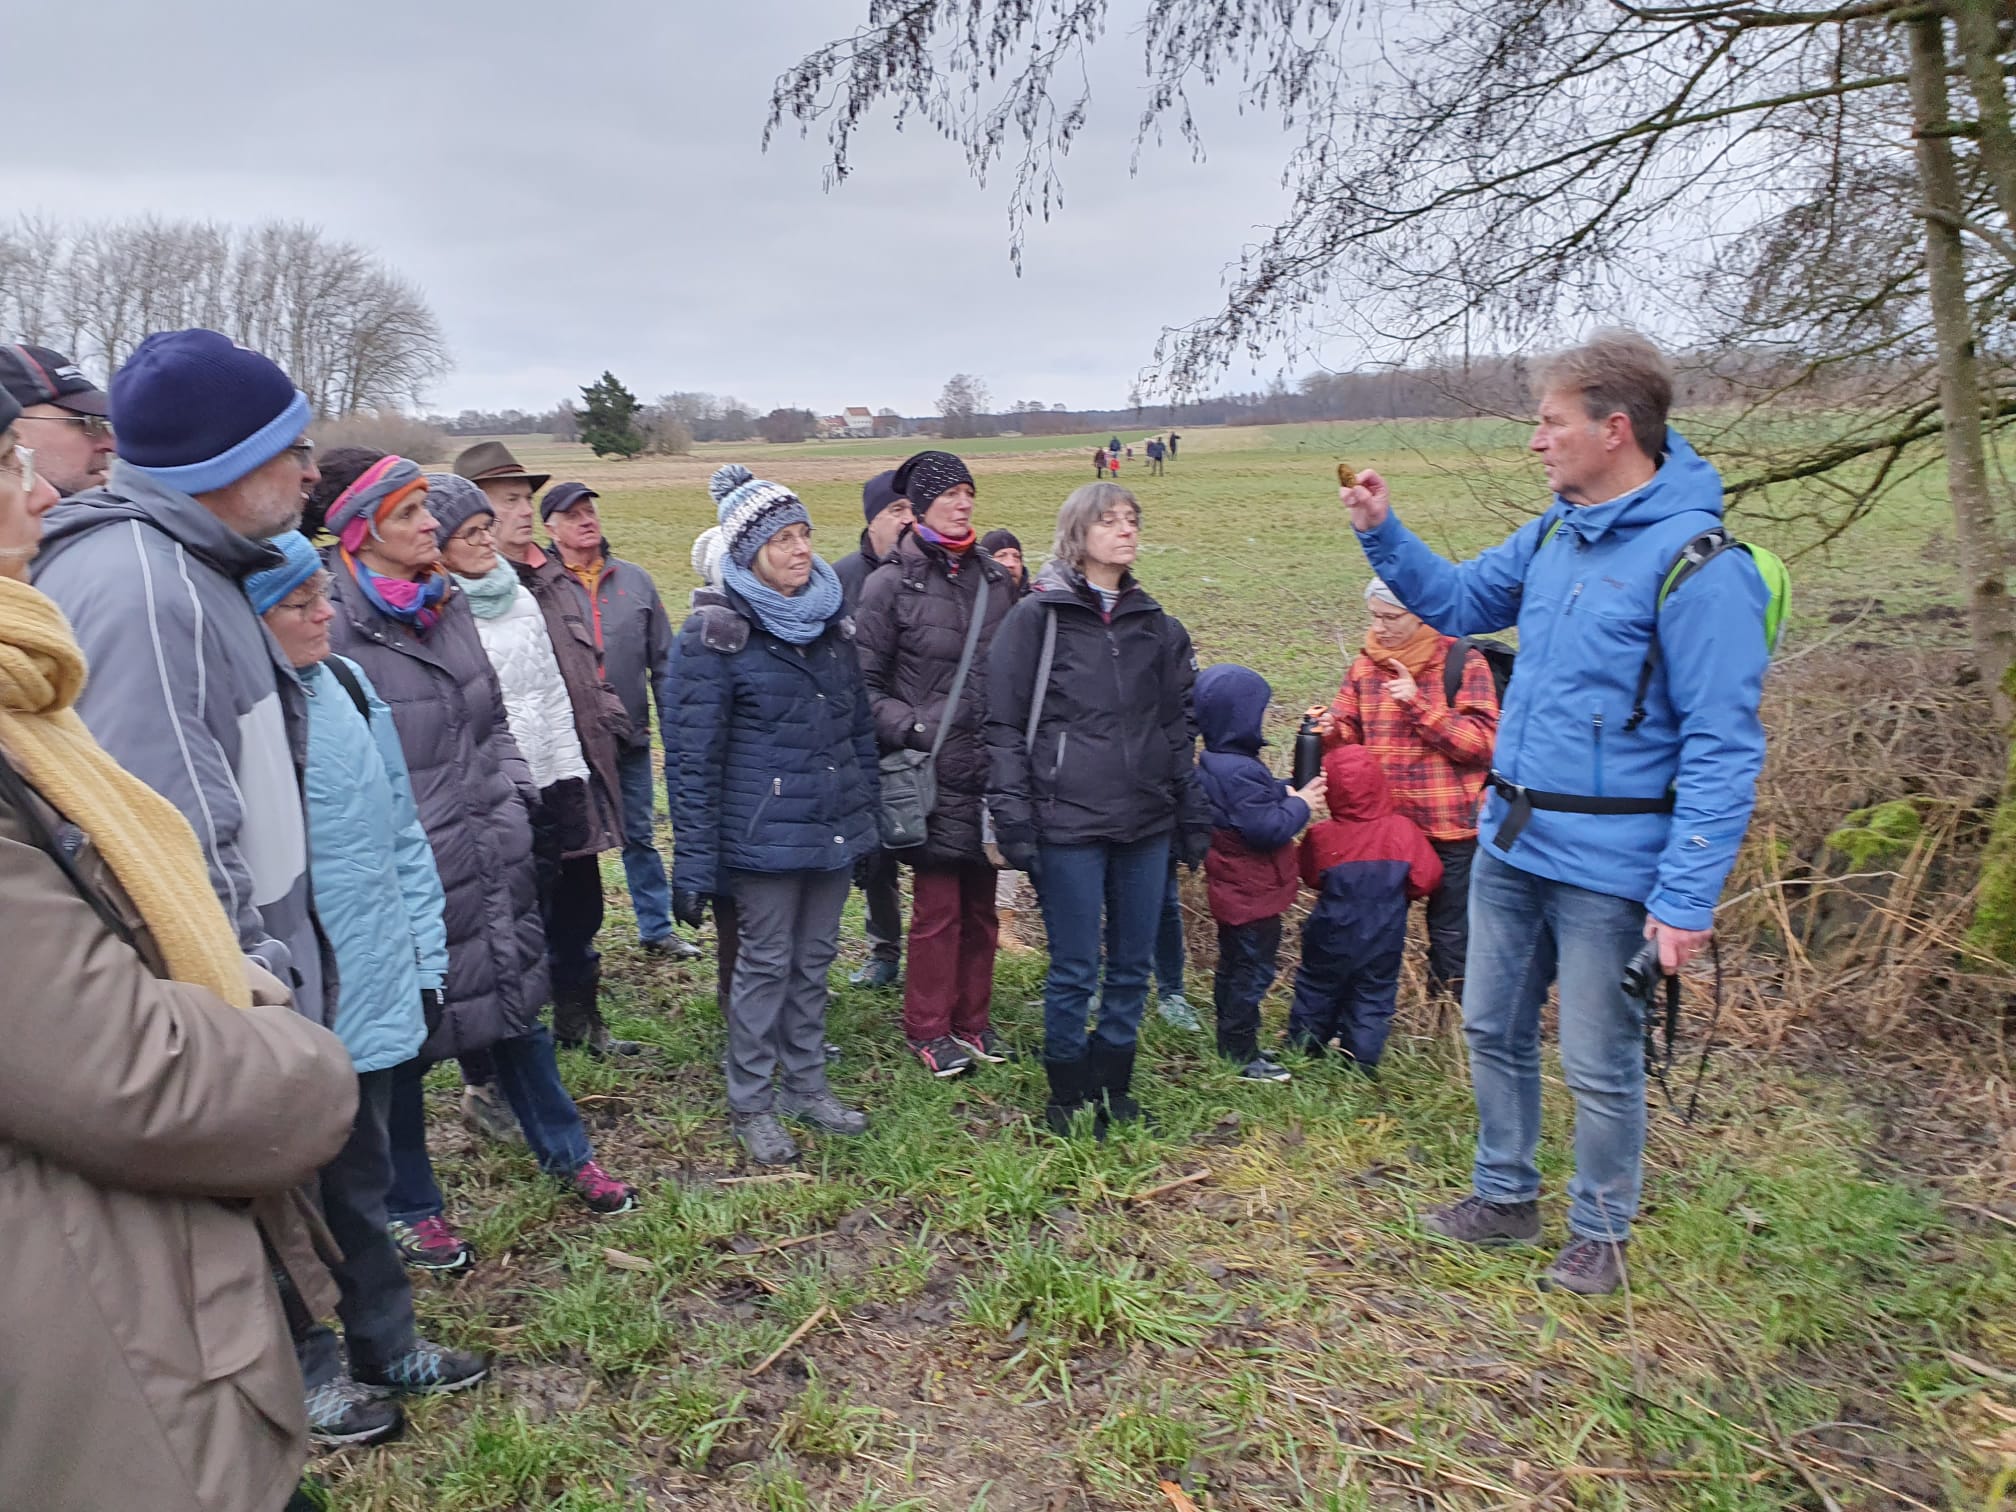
{"x":267,"y":588}
{"x":751,"y":510}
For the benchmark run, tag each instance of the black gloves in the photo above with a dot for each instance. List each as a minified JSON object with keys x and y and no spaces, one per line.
{"x":1019,"y":854}
{"x":689,"y":907}
{"x":431,"y":1009}
{"x":1192,"y":845}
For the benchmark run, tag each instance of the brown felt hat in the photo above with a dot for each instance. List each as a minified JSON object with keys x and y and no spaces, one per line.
{"x":492,"y":462}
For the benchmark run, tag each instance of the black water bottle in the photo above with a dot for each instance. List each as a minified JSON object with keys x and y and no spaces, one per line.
{"x":1308,"y":752}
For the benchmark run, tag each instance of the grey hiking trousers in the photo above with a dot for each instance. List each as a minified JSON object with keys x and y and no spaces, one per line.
{"x":789,"y":923}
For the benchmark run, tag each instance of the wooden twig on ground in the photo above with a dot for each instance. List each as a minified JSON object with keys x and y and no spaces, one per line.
{"x":773,"y":1176}
{"x":1146,"y":1193}
{"x":818,"y":1313}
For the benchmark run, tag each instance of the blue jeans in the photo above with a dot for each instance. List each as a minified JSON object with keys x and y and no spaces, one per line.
{"x":1079,"y":886}
{"x":529,"y":1077}
{"x":643,"y":867}
{"x":1525,"y":932}
{"x":1170,"y":954}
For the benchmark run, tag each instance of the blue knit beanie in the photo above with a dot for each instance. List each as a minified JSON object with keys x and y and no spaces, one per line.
{"x":197,"y":412}
{"x":751,"y":510}
{"x":267,"y":588}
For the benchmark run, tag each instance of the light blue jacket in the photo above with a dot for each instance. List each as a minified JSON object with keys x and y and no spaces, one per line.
{"x":1584,"y":606}
{"x":372,"y":873}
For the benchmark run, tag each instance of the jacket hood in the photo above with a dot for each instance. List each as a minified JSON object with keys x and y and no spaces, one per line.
{"x":134,"y":495}
{"x":1058,"y":584}
{"x":1356,"y":784}
{"x":1685,"y":482}
{"x":1231,"y":703}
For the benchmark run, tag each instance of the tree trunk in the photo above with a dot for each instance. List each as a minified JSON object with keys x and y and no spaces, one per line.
{"x":1977,"y":34}
{"x":1975,"y":528}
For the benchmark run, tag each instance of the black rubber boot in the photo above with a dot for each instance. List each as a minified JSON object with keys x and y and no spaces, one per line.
{"x":1068,"y":1093}
{"x":577,"y":1022}
{"x":1112,"y":1081}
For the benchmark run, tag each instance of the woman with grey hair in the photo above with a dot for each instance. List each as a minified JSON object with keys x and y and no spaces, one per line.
{"x":1092,"y":784}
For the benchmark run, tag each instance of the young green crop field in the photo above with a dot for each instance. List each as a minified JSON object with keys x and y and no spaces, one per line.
{"x":975,"y":1315}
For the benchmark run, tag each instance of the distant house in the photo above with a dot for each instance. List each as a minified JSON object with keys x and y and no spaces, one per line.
{"x":860,"y":422}
{"x":832,"y":428}
{"x":889,"y":424}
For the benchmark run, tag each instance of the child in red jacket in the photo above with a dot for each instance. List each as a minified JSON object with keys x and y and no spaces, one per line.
{"x":1366,"y":863}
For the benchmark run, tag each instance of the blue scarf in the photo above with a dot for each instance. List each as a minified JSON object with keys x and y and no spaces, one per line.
{"x":494,"y":592}
{"x":799,"y":618}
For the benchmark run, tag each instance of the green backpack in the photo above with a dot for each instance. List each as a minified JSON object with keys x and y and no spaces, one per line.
{"x":1690,"y":559}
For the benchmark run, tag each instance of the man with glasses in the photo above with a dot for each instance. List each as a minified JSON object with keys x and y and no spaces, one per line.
{"x":187,"y":690}
{"x":63,"y":416}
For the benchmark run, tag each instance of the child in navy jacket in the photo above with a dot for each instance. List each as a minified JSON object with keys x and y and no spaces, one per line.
{"x":1366,"y":863}
{"x":1255,"y":817}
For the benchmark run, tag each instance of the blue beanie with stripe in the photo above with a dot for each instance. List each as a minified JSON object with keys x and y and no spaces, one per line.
{"x":196,"y":411}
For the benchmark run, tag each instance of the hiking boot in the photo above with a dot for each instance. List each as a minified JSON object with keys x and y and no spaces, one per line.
{"x":578,"y":1025}
{"x":426,"y":1369}
{"x":1263,"y":1069}
{"x":878,"y":974}
{"x":343,"y":1415}
{"x":431,"y":1245}
{"x":1475,"y":1221}
{"x":763,"y":1138}
{"x":486,"y":1115}
{"x":1067,"y":1094}
{"x":822,"y":1110}
{"x":986,"y":1046}
{"x":1175,"y":1011}
{"x":1587,"y":1267}
{"x":600,"y":1192}
{"x":672,"y":947}
{"x":943,"y":1056}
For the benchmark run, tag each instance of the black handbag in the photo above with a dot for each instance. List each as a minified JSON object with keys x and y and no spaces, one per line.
{"x":910,"y":778}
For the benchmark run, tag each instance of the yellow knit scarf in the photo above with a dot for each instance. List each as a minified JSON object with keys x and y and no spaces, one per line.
{"x":142,"y":836}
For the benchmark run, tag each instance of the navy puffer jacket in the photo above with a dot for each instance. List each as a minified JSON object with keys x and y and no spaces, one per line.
{"x":770,"y":759}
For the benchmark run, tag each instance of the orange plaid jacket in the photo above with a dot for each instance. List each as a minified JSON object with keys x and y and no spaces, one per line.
{"x":1436,"y":757}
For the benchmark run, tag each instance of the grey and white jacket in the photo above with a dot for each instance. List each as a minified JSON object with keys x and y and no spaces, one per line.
{"x":189,"y":692}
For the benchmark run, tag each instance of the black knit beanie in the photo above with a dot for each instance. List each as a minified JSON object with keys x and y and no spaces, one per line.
{"x":994,"y":540}
{"x":925,"y":476}
{"x":878,"y":493}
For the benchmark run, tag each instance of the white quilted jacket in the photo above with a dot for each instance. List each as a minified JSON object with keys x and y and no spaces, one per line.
{"x":535,"y":698}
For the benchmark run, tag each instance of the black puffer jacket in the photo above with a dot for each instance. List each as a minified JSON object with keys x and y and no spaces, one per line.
{"x":853,"y":570}
{"x":911,"y":626}
{"x":1113,"y":759}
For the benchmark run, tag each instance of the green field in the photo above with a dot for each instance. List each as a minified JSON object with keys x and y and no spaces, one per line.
{"x":997,"y":1326}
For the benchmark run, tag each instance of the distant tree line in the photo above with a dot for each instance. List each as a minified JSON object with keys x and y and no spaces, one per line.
{"x":352,"y":334}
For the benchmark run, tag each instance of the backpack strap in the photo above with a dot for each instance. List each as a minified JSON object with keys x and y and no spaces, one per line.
{"x":1042,"y":687}
{"x":1453,"y":666}
{"x":1690,"y":559}
{"x":340,"y":670}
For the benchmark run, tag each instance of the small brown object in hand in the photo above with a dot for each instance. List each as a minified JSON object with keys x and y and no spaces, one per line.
{"x":1345,"y":477}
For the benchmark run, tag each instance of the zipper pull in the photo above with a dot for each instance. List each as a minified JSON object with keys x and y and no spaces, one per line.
{"x":776,"y":787}
{"x":1571,"y":599}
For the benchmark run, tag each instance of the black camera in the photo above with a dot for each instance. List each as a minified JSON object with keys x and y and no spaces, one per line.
{"x":1641,"y":973}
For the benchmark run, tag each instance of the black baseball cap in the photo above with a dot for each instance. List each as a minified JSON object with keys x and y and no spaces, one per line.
{"x":37,"y":375}
{"x":564,"y":496}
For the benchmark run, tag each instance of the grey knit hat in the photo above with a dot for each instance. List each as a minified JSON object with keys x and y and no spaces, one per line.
{"x":453,"y":501}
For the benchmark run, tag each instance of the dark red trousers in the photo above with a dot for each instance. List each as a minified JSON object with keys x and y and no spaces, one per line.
{"x":953,"y":934}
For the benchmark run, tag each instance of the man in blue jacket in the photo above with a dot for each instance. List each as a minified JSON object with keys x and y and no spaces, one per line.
{"x":1610,"y":821}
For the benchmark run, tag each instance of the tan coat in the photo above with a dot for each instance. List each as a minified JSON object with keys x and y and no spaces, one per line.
{"x":144,"y":1360}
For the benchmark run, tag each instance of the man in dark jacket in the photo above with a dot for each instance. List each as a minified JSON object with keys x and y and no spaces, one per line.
{"x":913,"y":626}
{"x":878,"y":875}
{"x":633,"y":641}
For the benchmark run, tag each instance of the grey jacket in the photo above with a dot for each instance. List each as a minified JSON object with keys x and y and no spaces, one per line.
{"x":190,"y":694}
{"x":633,"y":636}
{"x":474,"y":792}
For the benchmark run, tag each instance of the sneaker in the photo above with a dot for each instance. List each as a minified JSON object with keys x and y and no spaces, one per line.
{"x":425,"y":1369}
{"x":431,"y":1245}
{"x":601,"y":1192}
{"x":673,"y":948}
{"x":1587,"y":1267}
{"x":822,"y":1110}
{"x":486,"y":1115}
{"x":1262,"y":1069}
{"x":942,"y":1057}
{"x":878,"y":974}
{"x":987,"y":1046}
{"x":763,"y":1138}
{"x":1176,"y":1012}
{"x":343,"y":1415}
{"x":831,"y":1051}
{"x":1475,"y":1221}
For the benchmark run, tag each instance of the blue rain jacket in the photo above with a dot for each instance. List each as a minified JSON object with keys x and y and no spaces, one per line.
{"x":1584,"y":606}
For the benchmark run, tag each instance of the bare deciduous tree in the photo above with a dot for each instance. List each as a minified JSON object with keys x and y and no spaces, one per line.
{"x":352,"y":335}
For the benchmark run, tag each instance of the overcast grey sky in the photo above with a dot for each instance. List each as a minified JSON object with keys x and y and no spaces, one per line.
{"x":581,"y":186}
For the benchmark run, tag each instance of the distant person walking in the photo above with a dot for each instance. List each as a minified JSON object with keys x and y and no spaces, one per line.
{"x":1099,"y":463}
{"x":1156,"y":451}
{"x":1113,"y":446}
{"x":1113,"y":463}
{"x":1173,"y":439}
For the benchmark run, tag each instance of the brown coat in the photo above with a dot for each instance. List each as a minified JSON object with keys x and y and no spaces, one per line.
{"x":599,"y":719}
{"x":144,"y":1361}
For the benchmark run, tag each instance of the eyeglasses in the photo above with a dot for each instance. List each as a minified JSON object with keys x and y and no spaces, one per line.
{"x":476,"y":530}
{"x":97,"y":427}
{"x":317,"y":590}
{"x":1113,"y":519}
{"x":22,"y":464}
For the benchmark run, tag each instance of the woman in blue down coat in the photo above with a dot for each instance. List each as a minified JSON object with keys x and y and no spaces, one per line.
{"x":771,"y":769}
